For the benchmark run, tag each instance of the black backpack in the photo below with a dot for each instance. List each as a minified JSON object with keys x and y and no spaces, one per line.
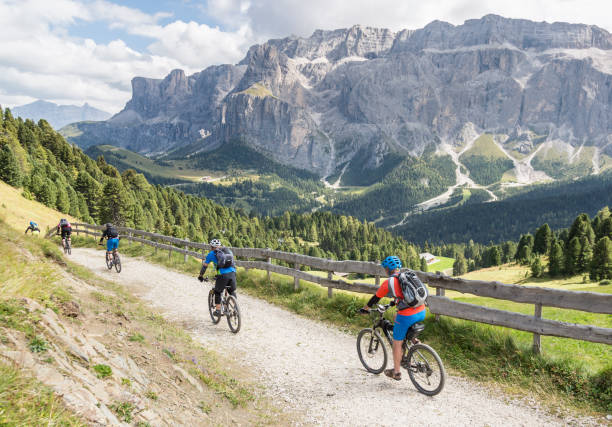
{"x":415,"y":292}
{"x":225,"y":258}
{"x":112,"y":233}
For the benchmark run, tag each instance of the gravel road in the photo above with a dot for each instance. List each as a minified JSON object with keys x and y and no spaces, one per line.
{"x":310,"y":367}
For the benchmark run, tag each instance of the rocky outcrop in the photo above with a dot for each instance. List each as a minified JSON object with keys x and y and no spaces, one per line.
{"x":317,"y":102}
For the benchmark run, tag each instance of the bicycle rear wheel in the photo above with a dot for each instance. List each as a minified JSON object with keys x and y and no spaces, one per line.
{"x":109,"y":262}
{"x":117,"y":263}
{"x":372,"y":351}
{"x":211,"y":307}
{"x":69,"y":249}
{"x":425,"y":369}
{"x":232,"y":311}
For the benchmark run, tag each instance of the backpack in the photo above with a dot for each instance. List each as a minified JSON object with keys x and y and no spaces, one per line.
{"x":64,"y":224}
{"x":225,"y":258}
{"x":415,"y":292}
{"x":112,"y":233}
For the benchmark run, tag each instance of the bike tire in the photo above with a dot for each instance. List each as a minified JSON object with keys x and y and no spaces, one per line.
{"x":109,"y":263}
{"x":424,"y":363}
{"x":232,"y":312}
{"x":117,"y":263}
{"x":69,"y":249}
{"x":211,"y":307}
{"x":370,"y":345}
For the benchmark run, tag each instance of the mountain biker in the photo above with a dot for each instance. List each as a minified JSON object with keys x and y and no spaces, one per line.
{"x":226,"y":276}
{"x":404,"y":318}
{"x":33,"y":227}
{"x":112,"y":236}
{"x":66,"y":230}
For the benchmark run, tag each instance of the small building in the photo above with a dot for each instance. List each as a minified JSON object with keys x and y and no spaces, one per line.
{"x":429,"y":258}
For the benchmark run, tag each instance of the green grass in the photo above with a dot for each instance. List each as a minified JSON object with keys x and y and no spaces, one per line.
{"x":257,"y":90}
{"x":102,"y":371}
{"x":444,"y":264}
{"x":485,"y":146}
{"x":26,"y":402}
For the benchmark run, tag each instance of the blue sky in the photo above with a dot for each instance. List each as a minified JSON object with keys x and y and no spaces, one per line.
{"x":76,"y":51}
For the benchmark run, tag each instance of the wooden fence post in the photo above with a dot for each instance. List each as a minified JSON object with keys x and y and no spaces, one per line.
{"x":185,"y":255}
{"x":296,"y":280}
{"x":537,"y":344}
{"x":439,"y":293}
{"x":330,"y":291}
{"x":269,"y":261}
{"x":130,"y":238}
{"x":377,"y":277}
{"x":169,"y":254}
{"x":155,"y":252}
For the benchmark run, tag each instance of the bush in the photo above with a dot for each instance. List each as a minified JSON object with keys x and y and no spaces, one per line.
{"x":605,"y":282}
{"x":38,"y":345}
{"x":124,"y":411}
{"x":103,"y":371}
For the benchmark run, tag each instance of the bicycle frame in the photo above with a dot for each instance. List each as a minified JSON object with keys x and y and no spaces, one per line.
{"x":381,"y":323}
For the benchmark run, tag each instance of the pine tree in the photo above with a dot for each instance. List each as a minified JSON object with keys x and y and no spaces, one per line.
{"x":423,"y":265}
{"x":572,"y":256}
{"x":116,"y":204}
{"x":601,"y":265}
{"x":586,"y":255}
{"x":537,"y":269}
{"x":555,"y":261}
{"x":9,"y":168}
{"x":542,"y":240}
{"x":459,"y":266}
{"x":524,"y":249}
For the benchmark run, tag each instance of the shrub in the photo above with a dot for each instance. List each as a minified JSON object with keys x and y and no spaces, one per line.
{"x":103,"y":371}
{"x":124,"y":411}
{"x":38,"y":345}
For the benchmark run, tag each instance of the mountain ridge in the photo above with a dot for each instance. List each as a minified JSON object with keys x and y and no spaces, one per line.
{"x":59,"y":116}
{"x":317,"y":102}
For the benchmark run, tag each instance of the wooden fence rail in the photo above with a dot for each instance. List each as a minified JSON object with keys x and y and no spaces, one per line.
{"x":261,"y":259}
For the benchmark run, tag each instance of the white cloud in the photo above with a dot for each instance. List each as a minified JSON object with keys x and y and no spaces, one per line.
{"x":39,"y":58}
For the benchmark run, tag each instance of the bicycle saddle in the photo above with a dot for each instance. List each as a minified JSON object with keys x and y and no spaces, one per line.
{"x":417,"y":327}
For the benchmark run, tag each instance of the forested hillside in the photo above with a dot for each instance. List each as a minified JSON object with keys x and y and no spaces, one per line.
{"x":36,"y":158}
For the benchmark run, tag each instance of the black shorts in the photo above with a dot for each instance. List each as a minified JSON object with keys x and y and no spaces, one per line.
{"x":223,"y":281}
{"x":66,"y":233}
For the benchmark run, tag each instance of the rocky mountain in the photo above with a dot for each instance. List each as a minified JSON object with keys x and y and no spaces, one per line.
{"x":59,"y":116}
{"x":346,"y":99}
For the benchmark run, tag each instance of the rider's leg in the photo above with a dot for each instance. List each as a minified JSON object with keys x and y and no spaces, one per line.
{"x":219,"y":288}
{"x":397,"y":355}
{"x":232,"y":284}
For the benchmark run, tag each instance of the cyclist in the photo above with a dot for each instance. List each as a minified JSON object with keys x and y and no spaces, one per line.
{"x":32,"y":227}
{"x":405,"y":316}
{"x":112,"y":236}
{"x":65,"y":229}
{"x":226,"y":269}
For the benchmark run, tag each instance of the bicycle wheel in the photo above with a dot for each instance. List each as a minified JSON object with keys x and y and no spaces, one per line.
{"x":69,"y":249}
{"x":109,"y":262}
{"x":232,"y":311}
{"x":211,"y":307}
{"x":117,"y":263}
{"x":372,"y":351}
{"x":425,"y":369}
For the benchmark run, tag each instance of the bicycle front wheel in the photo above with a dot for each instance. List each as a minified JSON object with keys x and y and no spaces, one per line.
{"x":117,"y":263}
{"x":372,"y":351}
{"x":233,"y":314}
{"x":211,"y":307}
{"x":425,"y":369}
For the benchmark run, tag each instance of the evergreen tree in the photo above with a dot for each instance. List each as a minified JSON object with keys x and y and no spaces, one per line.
{"x":9,"y":168}
{"x":586,"y":255}
{"x":601,"y":265}
{"x":423,"y":265}
{"x":572,"y":256}
{"x":555,"y":261}
{"x":537,"y":269}
{"x":459,"y":266}
{"x":495,"y":256}
{"x":524,"y":249}
{"x":116,"y":204}
{"x":582,"y":228}
{"x":542,"y":240}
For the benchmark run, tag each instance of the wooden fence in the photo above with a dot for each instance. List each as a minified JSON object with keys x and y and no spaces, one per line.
{"x":438,"y":304}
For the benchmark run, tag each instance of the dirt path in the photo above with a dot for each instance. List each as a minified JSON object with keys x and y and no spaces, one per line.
{"x":310,"y":367}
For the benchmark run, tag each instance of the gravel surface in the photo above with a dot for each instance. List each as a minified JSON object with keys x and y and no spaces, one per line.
{"x":310,"y":367}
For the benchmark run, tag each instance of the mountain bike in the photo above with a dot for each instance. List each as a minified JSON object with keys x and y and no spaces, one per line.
{"x":423,"y":364}
{"x":67,"y":246}
{"x":229,"y":305}
{"x":114,"y":261}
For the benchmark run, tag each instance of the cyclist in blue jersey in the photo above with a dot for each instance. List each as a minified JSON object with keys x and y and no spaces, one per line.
{"x":33,"y":227}
{"x":223,"y":258}
{"x":112,"y":240}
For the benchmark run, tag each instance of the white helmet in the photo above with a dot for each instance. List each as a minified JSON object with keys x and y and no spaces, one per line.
{"x":215,"y":242}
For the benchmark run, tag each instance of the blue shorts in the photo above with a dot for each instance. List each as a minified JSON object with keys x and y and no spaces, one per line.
{"x":112,"y":244}
{"x":403,"y":323}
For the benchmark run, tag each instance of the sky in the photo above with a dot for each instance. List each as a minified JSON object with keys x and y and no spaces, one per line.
{"x":77,"y":51}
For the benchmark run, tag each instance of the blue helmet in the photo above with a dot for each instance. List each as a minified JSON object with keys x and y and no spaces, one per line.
{"x":392,"y":263}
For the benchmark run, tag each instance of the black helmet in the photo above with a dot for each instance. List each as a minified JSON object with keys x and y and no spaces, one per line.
{"x":108,"y":225}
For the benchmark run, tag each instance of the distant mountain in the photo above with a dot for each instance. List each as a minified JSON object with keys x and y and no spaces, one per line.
{"x":345,"y":99}
{"x":59,"y":116}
